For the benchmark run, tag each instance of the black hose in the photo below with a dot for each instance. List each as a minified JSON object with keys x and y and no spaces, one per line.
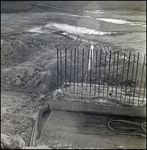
{"x":143,"y":126}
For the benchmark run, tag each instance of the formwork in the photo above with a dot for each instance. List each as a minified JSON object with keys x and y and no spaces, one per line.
{"x":101,"y":81}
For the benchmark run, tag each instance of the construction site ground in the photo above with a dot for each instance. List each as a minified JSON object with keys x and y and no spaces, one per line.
{"x":29,"y":42}
{"x":62,"y":129}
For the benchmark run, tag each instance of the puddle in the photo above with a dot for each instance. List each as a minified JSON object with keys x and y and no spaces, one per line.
{"x":95,"y":12}
{"x":36,"y":29}
{"x":75,"y":29}
{"x":73,"y":15}
{"x":120,"y":21}
{"x":68,"y":28}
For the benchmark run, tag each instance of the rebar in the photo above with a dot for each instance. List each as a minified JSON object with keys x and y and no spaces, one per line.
{"x":74,"y":70}
{"x":144,"y":93}
{"x":99,"y":75}
{"x":57,"y":70}
{"x":77,"y":68}
{"x":95,"y":75}
{"x":113,"y":75}
{"x":132,"y":76}
{"x":70,"y":69}
{"x":90,"y":71}
{"x":116,"y":76}
{"x":78,"y":77}
{"x":65,"y":70}
{"x":104,"y":71}
{"x":127,"y":75}
{"x":87,"y":71}
{"x":141,"y":79}
{"x":122,"y":77}
{"x":108,"y":75}
{"x":135,"y":78}
{"x":82,"y":70}
{"x":61,"y":66}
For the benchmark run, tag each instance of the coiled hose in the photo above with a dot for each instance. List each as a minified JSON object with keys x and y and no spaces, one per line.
{"x":143,"y":126}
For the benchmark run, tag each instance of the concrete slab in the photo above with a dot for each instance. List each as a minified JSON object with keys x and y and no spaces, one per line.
{"x":65,"y":129}
{"x":77,"y":97}
{"x":92,"y":107}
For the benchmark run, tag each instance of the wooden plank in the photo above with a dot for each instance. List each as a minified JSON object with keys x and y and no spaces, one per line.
{"x":37,"y":126}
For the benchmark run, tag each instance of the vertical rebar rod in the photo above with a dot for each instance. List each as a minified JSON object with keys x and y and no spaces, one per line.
{"x":61,"y":66}
{"x":132,"y":76}
{"x":77,"y":69}
{"x":57,"y":69}
{"x":87,"y":71}
{"x":141,"y":79}
{"x":108,"y":75}
{"x":74,"y":70}
{"x":144,"y":93}
{"x":135,"y":78}
{"x":82,"y":70}
{"x":116,"y":76}
{"x":105,"y":70}
{"x":127,"y":75}
{"x":65,"y":70}
{"x":90,"y":71}
{"x":99,"y":76}
{"x":70,"y":69}
{"x":95,"y":75}
{"x":113,"y":75}
{"x":122,"y":76}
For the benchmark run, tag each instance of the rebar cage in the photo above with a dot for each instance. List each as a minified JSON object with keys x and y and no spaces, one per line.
{"x":106,"y":78}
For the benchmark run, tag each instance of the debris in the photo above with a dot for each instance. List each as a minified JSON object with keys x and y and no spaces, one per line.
{"x":12,"y":142}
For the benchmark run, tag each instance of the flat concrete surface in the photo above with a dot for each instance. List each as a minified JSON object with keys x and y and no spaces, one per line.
{"x":64,"y":129}
{"x":93,"y":107}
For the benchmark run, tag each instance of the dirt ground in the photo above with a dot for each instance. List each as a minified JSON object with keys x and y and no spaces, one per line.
{"x":19,"y":111}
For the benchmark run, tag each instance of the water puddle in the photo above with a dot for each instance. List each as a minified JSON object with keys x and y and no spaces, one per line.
{"x":95,"y":12}
{"x":35,"y":29}
{"x":67,"y":29}
{"x":73,"y":15}
{"x":75,"y":29}
{"x":120,"y":21}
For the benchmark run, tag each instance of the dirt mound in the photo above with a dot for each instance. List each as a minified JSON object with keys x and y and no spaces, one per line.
{"x":28,"y":66}
{"x":14,"y":52}
{"x":30,"y":77}
{"x":39,"y":73}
